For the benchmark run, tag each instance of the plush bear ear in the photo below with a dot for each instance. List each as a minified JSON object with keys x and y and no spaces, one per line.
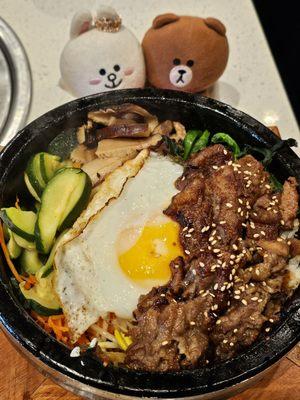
{"x":216,"y":25}
{"x":164,"y":19}
{"x":81,"y":22}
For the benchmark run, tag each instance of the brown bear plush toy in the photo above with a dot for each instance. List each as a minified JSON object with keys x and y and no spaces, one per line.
{"x":185,"y":53}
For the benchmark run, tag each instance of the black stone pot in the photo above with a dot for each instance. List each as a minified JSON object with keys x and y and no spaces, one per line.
{"x":86,"y":375}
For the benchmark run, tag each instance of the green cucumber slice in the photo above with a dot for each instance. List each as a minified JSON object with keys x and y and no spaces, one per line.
{"x":20,"y":222}
{"x":47,"y":268}
{"x":49,"y":165}
{"x":30,"y":187}
{"x":42,"y":297}
{"x":13,"y":248}
{"x":33,"y":172}
{"x":62,"y":201}
{"x":30,"y":261}
{"x":23,"y":242}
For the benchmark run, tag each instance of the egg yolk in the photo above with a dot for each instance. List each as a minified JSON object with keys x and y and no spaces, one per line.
{"x":149,"y":257}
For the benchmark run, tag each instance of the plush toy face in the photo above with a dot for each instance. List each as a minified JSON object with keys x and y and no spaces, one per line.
{"x":95,"y":61}
{"x":185,"y":53}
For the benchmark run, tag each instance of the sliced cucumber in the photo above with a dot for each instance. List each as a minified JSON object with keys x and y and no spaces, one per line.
{"x":13,"y":248}
{"x":64,"y":198}
{"x":42,"y":297}
{"x":30,"y":262}
{"x":77,"y":202}
{"x":47,"y":268}
{"x":20,"y":222}
{"x":30,"y":187}
{"x":49,"y":165}
{"x":34,"y":175}
{"x":44,"y":311}
{"x":23,"y":242}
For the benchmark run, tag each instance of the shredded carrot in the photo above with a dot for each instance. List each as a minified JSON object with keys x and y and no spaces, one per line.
{"x":15,"y":273}
{"x":30,"y":281}
{"x":17,"y":203}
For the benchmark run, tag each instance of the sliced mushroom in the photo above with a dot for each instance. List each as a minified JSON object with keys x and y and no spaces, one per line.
{"x":81,"y":154}
{"x":97,"y":169}
{"x":165,"y":128}
{"x":180,"y":132}
{"x":123,"y":147}
{"x":126,"y":120}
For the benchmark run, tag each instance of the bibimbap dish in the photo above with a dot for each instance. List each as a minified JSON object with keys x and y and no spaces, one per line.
{"x":155,"y":246}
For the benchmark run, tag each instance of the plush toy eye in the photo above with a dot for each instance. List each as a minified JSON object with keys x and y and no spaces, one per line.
{"x":190,"y":63}
{"x":176,"y":61}
{"x":117,"y":67}
{"x":102,"y":71}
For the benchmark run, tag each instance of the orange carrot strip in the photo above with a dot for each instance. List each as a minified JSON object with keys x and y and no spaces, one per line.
{"x":18,"y":277}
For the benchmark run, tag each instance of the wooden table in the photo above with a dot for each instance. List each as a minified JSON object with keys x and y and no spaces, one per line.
{"x":19,"y":380}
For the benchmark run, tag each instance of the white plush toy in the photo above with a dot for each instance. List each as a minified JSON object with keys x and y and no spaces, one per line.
{"x":101,"y":55}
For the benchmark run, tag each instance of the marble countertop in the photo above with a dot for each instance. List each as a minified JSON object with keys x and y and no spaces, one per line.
{"x":250,"y":83}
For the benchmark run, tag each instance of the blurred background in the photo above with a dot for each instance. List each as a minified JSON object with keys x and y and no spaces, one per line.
{"x":282,"y":29}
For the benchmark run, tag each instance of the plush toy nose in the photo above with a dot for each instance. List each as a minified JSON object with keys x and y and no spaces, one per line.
{"x":182,"y":71}
{"x":112,"y":77}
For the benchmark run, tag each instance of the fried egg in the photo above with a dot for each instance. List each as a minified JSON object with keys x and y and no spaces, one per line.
{"x":124,"y":250}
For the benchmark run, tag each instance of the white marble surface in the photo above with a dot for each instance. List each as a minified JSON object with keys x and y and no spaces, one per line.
{"x":251,"y":81}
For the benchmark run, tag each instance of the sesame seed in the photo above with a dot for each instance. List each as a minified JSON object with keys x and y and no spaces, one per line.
{"x":187,"y":252}
{"x":216,"y":250}
{"x":213,"y":225}
{"x":260,"y":300}
{"x":257,"y":271}
{"x":254,"y":298}
{"x":163,"y":295}
{"x":244,"y":302}
{"x":220,"y":255}
{"x":176,"y":266}
{"x":213,"y":242}
{"x":216,"y":286}
{"x":191,"y":230}
{"x":232,"y":256}
{"x":239,"y":210}
{"x":235,"y":330}
{"x":237,"y":291}
{"x":256,"y":235}
{"x":215,"y":167}
{"x":164,"y":343}
{"x":225,"y":152}
{"x":268,"y":186}
{"x":194,"y":272}
{"x":75,"y":352}
{"x":282,"y":222}
{"x":237,"y":297}
{"x":192,"y":323}
{"x":267,"y":329}
{"x":222,"y":222}
{"x":201,"y":291}
{"x":229,"y":205}
{"x":234,"y":246}
{"x":249,"y":164}
{"x":204,"y":294}
{"x":188,"y":235}
{"x":218,"y":322}
{"x":231,"y":344}
{"x":244,"y":225}
{"x":240,"y":201}
{"x":185,"y":228}
{"x":201,"y":264}
{"x":183,"y":178}
{"x":223,"y":288}
{"x":225,"y":341}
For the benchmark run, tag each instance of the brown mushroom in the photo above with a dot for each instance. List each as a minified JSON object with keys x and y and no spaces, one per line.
{"x":81,"y":154}
{"x":180,"y":132}
{"x":97,"y":169}
{"x":123,"y":147}
{"x":126,"y":120}
{"x":164,"y":129}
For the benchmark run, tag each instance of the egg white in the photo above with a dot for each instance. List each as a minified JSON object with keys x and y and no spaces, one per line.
{"x":89,"y":280}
